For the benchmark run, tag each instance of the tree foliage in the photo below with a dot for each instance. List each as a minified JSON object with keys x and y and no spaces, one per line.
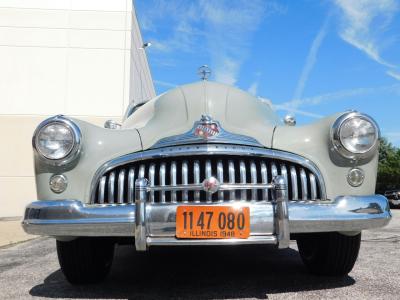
{"x":388,"y":168}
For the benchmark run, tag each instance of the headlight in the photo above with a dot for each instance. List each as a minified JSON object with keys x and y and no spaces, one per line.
{"x":57,"y":139}
{"x":355,"y":135}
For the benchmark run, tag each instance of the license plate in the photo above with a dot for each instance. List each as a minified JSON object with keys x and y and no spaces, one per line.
{"x":212,"y":222}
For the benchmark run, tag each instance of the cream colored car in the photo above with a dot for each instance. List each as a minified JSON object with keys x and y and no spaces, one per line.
{"x":206,"y":164}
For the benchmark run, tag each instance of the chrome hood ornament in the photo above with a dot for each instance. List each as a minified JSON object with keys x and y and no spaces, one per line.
{"x":204,"y":72}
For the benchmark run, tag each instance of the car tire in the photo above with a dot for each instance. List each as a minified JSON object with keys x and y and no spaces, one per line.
{"x":85,"y":260}
{"x":329,"y":253}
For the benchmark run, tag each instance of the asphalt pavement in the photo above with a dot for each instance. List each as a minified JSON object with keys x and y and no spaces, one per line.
{"x":30,"y":270}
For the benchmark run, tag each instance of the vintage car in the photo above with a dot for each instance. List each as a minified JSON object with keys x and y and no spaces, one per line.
{"x":206,"y":164}
{"x":393,"y":197}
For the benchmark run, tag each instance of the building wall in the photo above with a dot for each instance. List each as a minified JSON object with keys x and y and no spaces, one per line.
{"x":74,"y":57}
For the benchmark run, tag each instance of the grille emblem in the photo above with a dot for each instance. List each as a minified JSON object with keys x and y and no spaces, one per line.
{"x":211,"y":185}
{"x":206,"y":128}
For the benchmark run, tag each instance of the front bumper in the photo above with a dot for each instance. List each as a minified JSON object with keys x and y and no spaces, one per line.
{"x":154,"y":224}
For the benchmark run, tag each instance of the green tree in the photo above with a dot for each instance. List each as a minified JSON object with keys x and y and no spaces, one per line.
{"x":388,"y":168}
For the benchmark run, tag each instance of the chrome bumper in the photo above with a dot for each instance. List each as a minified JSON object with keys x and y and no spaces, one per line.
{"x":154,"y":224}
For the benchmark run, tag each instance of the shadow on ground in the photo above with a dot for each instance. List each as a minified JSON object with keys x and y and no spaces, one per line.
{"x":196,"y":273}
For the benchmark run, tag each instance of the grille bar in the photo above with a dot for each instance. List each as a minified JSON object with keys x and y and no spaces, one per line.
{"x":178,"y":180}
{"x":111,"y":187}
{"x":220,"y":177}
{"x":185,"y":181}
{"x":131,"y":185}
{"x":196,"y":175}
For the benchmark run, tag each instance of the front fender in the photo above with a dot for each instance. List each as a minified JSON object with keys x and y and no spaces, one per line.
{"x":313,"y":142}
{"x":99,"y":145}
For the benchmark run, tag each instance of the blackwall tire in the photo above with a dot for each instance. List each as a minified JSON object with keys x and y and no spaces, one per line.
{"x":330,"y":253}
{"x":85,"y":260}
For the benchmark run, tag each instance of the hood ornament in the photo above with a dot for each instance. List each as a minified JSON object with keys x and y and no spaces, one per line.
{"x":204,"y":72}
{"x":206,"y":128}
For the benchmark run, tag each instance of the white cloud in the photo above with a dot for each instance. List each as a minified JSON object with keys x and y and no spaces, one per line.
{"x":363,"y":22}
{"x":393,"y":74}
{"x":292,"y":110}
{"x":292,"y":106}
{"x":311,"y":60}
{"x":220,"y":30}
{"x":165,"y":83}
{"x":339,"y":95}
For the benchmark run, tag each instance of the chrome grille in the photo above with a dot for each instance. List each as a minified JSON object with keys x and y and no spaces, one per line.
{"x":116,"y":185}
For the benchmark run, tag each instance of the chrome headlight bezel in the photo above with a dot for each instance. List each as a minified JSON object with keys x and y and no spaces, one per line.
{"x":341,"y":148}
{"x":73,"y":153}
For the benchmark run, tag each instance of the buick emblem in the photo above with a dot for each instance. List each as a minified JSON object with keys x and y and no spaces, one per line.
{"x":211,"y":185}
{"x":206,"y":128}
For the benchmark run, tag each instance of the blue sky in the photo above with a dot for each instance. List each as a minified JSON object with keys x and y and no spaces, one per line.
{"x":310,"y":58}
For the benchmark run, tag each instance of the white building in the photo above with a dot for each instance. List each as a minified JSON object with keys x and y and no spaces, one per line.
{"x":75,"y":57}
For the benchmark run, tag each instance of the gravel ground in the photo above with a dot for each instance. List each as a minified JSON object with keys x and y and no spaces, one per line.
{"x":30,"y":270}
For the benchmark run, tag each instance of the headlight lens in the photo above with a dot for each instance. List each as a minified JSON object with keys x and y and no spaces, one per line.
{"x":57,"y":139}
{"x":358,"y":135}
{"x":355,"y":135}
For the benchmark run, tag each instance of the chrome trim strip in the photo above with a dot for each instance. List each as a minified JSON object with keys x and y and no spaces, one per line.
{"x":121,"y":179}
{"x":285,"y":177}
{"x":207,"y":149}
{"x":264,"y":179}
{"x":313,"y":184}
{"x":196,"y":176}
{"x":242,"y":170}
{"x":208,"y":175}
{"x":131,"y":185}
{"x":274,"y":170}
{"x":162,"y":181}
{"x":152,"y":171}
{"x":252,"y":240}
{"x":111,"y":185}
{"x":185,"y":181}
{"x":72,"y":218}
{"x":231,"y":167}
{"x":142,"y":170}
{"x":220,"y":177}
{"x":303,"y":179}
{"x":102,"y":189}
{"x":223,"y":137}
{"x":173,"y":180}
{"x":199,"y":187}
{"x":253,"y":175}
{"x":293,"y":176}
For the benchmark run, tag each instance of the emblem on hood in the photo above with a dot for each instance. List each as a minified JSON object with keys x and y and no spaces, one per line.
{"x":206,"y":128}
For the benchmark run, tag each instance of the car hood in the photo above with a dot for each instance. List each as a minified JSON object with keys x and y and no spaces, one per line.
{"x":172,"y":117}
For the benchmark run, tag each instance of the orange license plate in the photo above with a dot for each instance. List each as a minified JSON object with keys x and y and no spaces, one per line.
{"x":212,"y":222}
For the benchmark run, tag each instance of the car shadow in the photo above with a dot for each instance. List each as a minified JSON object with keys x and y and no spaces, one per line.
{"x":196,"y":273}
